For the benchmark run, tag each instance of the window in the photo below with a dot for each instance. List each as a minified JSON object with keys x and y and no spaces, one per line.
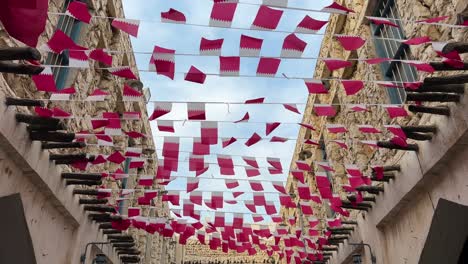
{"x":72,"y":28}
{"x":387,"y":48}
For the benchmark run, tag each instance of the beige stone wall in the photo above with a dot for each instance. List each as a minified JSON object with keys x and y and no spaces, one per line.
{"x":98,"y":34}
{"x":356,"y":24}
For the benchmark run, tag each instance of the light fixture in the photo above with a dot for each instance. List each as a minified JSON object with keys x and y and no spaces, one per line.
{"x":100,"y":259}
{"x":357,"y":259}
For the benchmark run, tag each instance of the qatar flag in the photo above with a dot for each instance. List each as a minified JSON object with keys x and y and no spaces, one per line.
{"x":353,"y":170}
{"x":196,"y":197}
{"x":256,"y":186}
{"x":350,"y":43}
{"x":321,"y":179}
{"x":219,"y":219}
{"x":113,"y":126}
{"x":129,"y":26}
{"x":162,"y":174}
{"x":370,"y":143}
{"x":258,"y":198}
{"x":274,"y":171}
{"x":352,"y":87}
{"x":266,"y":18}
{"x":252,"y":172}
{"x":336,"y":8}
{"x":381,"y":21}
{"x":225,"y":161}
{"x":123,"y":71}
{"x":60,"y":42}
{"x":336,"y":128}
{"x":172,"y":196}
{"x":395,"y":111}
{"x":238,"y":220}
{"x":173,"y":16}
{"x":245,"y":118}
{"x":313,"y":221}
{"x":304,"y":191}
{"x":439,"y":49}
{"x":275,"y":162}
{"x":192,"y":184}
{"x":116,"y":158}
{"x":136,"y":163}
{"x":104,"y":193}
{"x":217,"y":199}
{"x":306,"y":208}
{"x":165,"y":126}
{"x":162,"y":62}
{"x":62,"y":95}
{"x":293,"y":47}
{"x":336,"y":64}
{"x":396,"y":130}
{"x":369,"y":129}
{"x":45,"y":81}
{"x":420,"y":65}
{"x":417,"y":40}
{"x":257,"y":218}
{"x":303,"y":165}
{"x":97,"y":95}
{"x":309,"y":25}
{"x":201,"y":237}
{"x":79,"y":11}
{"x":270,"y":127}
{"x":324,"y":110}
{"x":358,"y":107}
{"x":229,"y":66}
{"x":250,"y":46}
{"x":171,"y":147}
{"x":211,"y":47}
{"x":286,"y":201}
{"x":78,"y":59}
{"x":334,"y":222}
{"x":267,"y":67}
{"x":315,"y":86}
{"x":146,"y":180}
{"x":254,"y":139}
{"x":133,"y":152}
{"x":196,"y":163}
{"x":292,"y":108}
{"x":259,"y":100}
{"x":251,"y":161}
{"x":222,"y":14}
{"x":231,"y":184}
{"x":100,"y":55}
{"x":196,"y":111}
{"x":279,"y":186}
{"x":228,"y":141}
{"x":133,"y":211}
{"x":199,"y":148}
{"x":325,"y":165}
{"x":131,"y":95}
{"x":195,"y":75}
{"x":209,"y":132}
{"x":298,"y":174}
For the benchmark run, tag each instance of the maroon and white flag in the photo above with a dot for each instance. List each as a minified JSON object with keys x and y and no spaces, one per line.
{"x":222,"y":14}
{"x":63,"y":95}
{"x":396,"y":130}
{"x":196,"y":197}
{"x":160,"y":109}
{"x":78,"y":59}
{"x":129,"y":26}
{"x":199,"y":148}
{"x":336,"y":64}
{"x":303,"y":165}
{"x":315,"y":86}
{"x":229,"y":66}
{"x":173,"y":16}
{"x":381,"y":21}
{"x":279,"y":186}
{"x":196,"y":111}
{"x":420,"y":65}
{"x":225,"y":161}
{"x":293,"y":47}
{"x":252,"y":172}
{"x":275,"y":163}
{"x":350,"y":43}
{"x":97,"y":95}
{"x":309,"y":25}
{"x":353,"y":170}
{"x":270,"y":127}
{"x":101,"y":56}
{"x":298,"y":174}
{"x":231,"y":184}
{"x":60,"y":42}
{"x":325,"y":165}
{"x":417,"y":40}
{"x":228,"y":141}
{"x":256,"y":186}
{"x":259,"y":100}
{"x":336,"y":128}
{"x":163,"y":62}
{"x":250,"y":46}
{"x":292,"y":108}
{"x":336,"y":8}
{"x":211,"y":47}
{"x":369,"y":129}
{"x":395,"y":111}
{"x":267,"y":18}
{"x":146,"y":180}
{"x":245,"y":118}
{"x":124,"y":72}
{"x":358,"y":107}
{"x":251,"y":161}
{"x":254,"y":139}
{"x":196,"y":162}
{"x":131,"y":95}
{"x":192,"y":184}
{"x":324,"y":110}
{"x":79,"y":11}
{"x":352,"y":87}
{"x":267,"y":67}
{"x":165,"y":126}
{"x":340,"y":143}
{"x":195,"y":75}
{"x":171,"y":147}
{"x":209,"y":132}
{"x":307,"y":126}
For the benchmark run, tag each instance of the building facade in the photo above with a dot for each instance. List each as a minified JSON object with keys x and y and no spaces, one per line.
{"x":401,"y":221}
{"x":58,"y":224}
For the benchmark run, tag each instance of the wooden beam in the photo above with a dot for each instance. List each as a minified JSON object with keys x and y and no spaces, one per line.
{"x":94,"y":208}
{"x":65,"y":145}
{"x":93,"y":201}
{"x":123,"y":245}
{"x":85,"y":182}
{"x":440,"y":66}
{"x":440,"y":88}
{"x":111,"y":231}
{"x":390,"y":145}
{"x":418,"y":136}
{"x":19,"y":53}
{"x":51,"y":136}
{"x":81,"y":176}
{"x":353,"y":198}
{"x":384,"y":179}
{"x":10,"y":101}
{"x":460,"y":47}
{"x":433,"y":97}
{"x":370,"y":189}
{"x":452,"y":79}
{"x":9,"y":67}
{"x":425,"y":129}
{"x":37,"y":120}
{"x":442,"y":110}
{"x":86,"y":192}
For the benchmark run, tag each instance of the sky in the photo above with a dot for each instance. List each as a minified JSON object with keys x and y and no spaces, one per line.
{"x":185,"y":39}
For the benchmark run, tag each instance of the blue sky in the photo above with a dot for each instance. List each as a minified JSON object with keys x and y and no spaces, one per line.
{"x":186,"y":39}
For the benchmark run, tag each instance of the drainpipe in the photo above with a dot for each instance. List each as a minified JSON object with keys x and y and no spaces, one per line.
{"x":124,"y":182}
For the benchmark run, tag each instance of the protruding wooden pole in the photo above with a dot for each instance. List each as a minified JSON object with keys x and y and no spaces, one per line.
{"x":80,"y":156}
{"x":343,"y":228}
{"x":440,"y":66}
{"x":93,"y":201}
{"x":424,"y":129}
{"x":433,"y":97}
{"x":439,"y":88}
{"x":349,"y":222}
{"x":111,"y":232}
{"x":106,"y":226}
{"x":19,"y":53}
{"x":418,"y":136}
{"x":30,"y":119}
{"x":103,"y":209}
{"x":353,"y":198}
{"x":370,"y":189}
{"x":10,"y":101}
{"x":10,"y":67}
{"x":390,"y":145}
{"x":42,"y":128}
{"x":86,"y":192}
{"x":51,"y":136}
{"x":81,"y":176}
{"x":443,"y":110}
{"x":452,"y":79}
{"x":130,"y":259}
{"x":66,"y":145}
{"x":124,"y":245}
{"x":85,"y":182}
{"x":383,"y":179}
{"x":459,"y":47}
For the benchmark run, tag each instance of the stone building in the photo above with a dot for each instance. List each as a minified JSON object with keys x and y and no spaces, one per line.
{"x":58,"y":226}
{"x":414,"y":218}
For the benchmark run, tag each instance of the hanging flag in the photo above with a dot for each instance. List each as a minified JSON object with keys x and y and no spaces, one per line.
{"x":374,"y":61}
{"x":229,"y":66}
{"x":131,"y":95}
{"x":395,"y":111}
{"x":225,"y":161}
{"x":160,"y":109}
{"x":381,"y":21}
{"x":312,"y":142}
{"x":309,"y":25}
{"x":228,"y":141}
{"x":173,"y":16}
{"x":256,"y":186}
{"x":62,"y":95}
{"x":433,"y":20}
{"x":163,"y":62}
{"x":274,"y":171}
{"x":171,"y":147}
{"x":358,"y":107}
{"x":79,"y":11}
{"x":303,"y":165}
{"x":103,"y":140}
{"x":250,"y":46}
{"x":217,"y":199}
{"x":336,"y":128}
{"x":266,"y":18}
{"x":298,"y":174}
{"x":324,"y":110}
{"x":44,"y":81}
{"x":270,"y":127}
{"x":199,"y":148}
{"x":420,"y":66}
{"x":145,"y":180}
{"x":267,"y":67}
{"x":278,"y":139}
{"x":315,"y":86}
{"x":116,"y":157}
{"x":255,"y":101}
{"x":336,"y":8}
{"x":133,"y":152}
{"x":254,"y":139}
{"x":306,"y":208}
{"x":113,"y":126}
{"x":100,"y":55}
{"x":350,"y":43}
{"x":396,"y":130}
{"x":209,"y":132}
{"x":222,"y":14}
{"x":336,"y":64}
{"x":196,"y":111}
{"x":325,"y":165}
{"x":352,"y":87}
{"x":97,"y":95}
{"x":417,"y":40}
{"x":60,"y":42}
{"x":340,"y":143}
{"x":257,"y":218}
{"x":286,"y":201}
{"x":129,"y":26}
{"x":134,"y":134}
{"x":353,"y":170}
{"x":251,"y":161}
{"x":124,"y":72}
{"x":275,"y":163}
{"x":244,"y":119}
{"x":292,"y":108}
{"x":196,"y":162}
{"x":368,"y":129}
{"x":231,"y":184}
{"x":78,"y":59}
{"x":307,"y":126}
{"x":196,"y":197}
{"x":252,"y":172}
{"x":293,"y":47}
{"x":303,"y":191}
{"x":165,"y":126}
{"x":211,"y":47}
{"x":439,"y":49}
{"x":279,"y":187}
{"x":192,"y":184}
{"x":195,"y":75}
